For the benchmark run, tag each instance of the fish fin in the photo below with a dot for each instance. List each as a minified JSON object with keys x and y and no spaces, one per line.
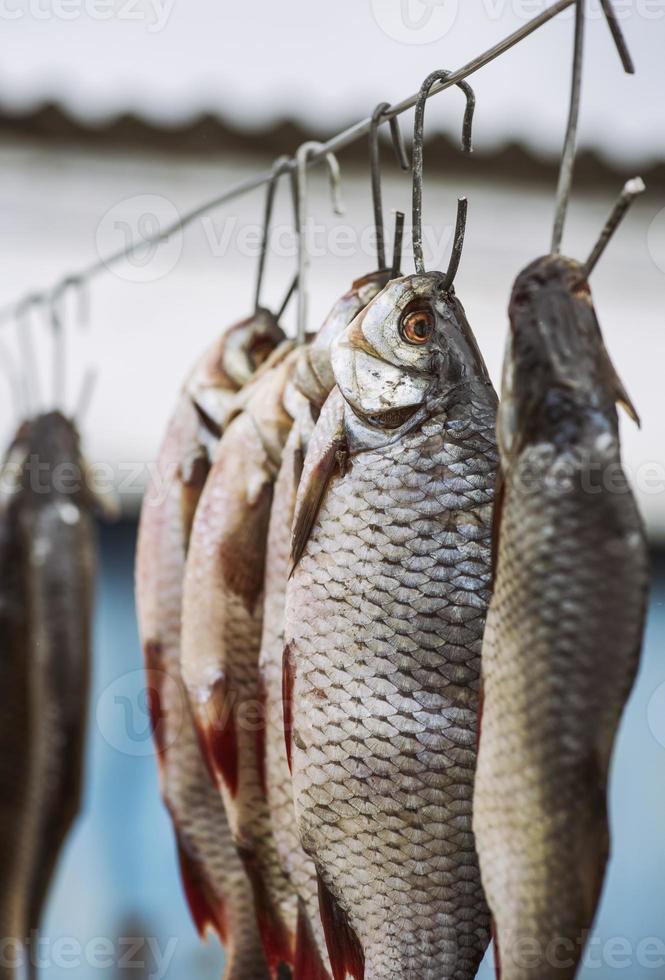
{"x":209,"y":419}
{"x":617,"y":387}
{"x":497,"y":952}
{"x":288,"y":678}
{"x":261,"y":734}
{"x":308,"y":963}
{"x":278,"y":947}
{"x":346,"y":954}
{"x":154,"y":672}
{"x":193,"y":474}
{"x":243,"y":553}
{"x":218,"y":738}
{"x":206,"y":908}
{"x":497,"y":510}
{"x":314,"y":483}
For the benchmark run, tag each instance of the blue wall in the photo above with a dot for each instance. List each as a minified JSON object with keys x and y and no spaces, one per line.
{"x":118,"y":876}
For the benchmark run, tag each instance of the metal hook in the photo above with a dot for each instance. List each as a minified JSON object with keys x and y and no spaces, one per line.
{"x":302,"y":157}
{"x":418,"y":138}
{"x":397,"y":244}
{"x":570,"y":141}
{"x":55,"y":314}
{"x":279,"y":167}
{"x":30,"y":374}
{"x":375,"y":171}
{"x":631,"y":189}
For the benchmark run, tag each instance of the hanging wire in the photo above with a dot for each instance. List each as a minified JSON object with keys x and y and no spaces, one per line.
{"x":418,"y":140}
{"x":30,"y":368}
{"x":348,"y":136}
{"x":277,"y":169}
{"x":375,"y":172}
{"x":303,"y":154}
{"x":631,"y":190}
{"x":570,"y":140}
{"x":397,"y":244}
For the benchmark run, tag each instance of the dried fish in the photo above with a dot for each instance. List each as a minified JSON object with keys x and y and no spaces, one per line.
{"x":564,"y":629}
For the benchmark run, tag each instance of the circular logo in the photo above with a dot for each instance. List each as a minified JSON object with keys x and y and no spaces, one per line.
{"x":142,"y":224}
{"x":415,"y":21}
{"x":656,"y":714}
{"x":656,"y":240}
{"x":131,"y":713}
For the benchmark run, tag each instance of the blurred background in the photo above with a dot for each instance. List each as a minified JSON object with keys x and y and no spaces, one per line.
{"x":116,"y":116}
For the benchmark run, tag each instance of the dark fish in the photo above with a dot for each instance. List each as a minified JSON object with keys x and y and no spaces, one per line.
{"x":48,"y":564}
{"x":564,"y":629}
{"x":385,"y":613}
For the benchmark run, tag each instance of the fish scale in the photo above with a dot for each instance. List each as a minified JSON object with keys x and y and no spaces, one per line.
{"x":412,"y":894}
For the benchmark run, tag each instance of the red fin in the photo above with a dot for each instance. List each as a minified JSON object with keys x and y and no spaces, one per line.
{"x":243,"y":551}
{"x":497,"y":954}
{"x":203,"y":748}
{"x":288,"y":678}
{"x":205,"y":907}
{"x":308,"y":964}
{"x":277,"y":945}
{"x":261,"y":735}
{"x":346,"y":953}
{"x":222,"y":737}
{"x":154,"y":672}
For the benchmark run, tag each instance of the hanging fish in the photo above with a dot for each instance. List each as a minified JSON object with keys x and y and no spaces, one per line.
{"x":385,"y":612}
{"x":47,"y":554}
{"x":222,"y":621}
{"x":214,"y":879}
{"x":564,"y":630}
{"x":20,"y":684}
{"x":314,"y":379}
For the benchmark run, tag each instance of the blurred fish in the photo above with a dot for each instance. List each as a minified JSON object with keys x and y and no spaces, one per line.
{"x":47,"y":554}
{"x":564,"y":629}
{"x":384,"y":618}
{"x":214,"y":879}
{"x":222,"y":619}
{"x":314,"y":379}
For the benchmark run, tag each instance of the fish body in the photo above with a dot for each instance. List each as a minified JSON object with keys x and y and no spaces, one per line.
{"x":314,"y":379}
{"x":47,"y":553}
{"x":385,"y":612}
{"x":17,"y":714}
{"x":215,"y":882}
{"x":222,"y":622}
{"x":564,"y":628}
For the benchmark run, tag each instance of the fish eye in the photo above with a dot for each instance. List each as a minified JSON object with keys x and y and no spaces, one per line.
{"x":417,"y":327}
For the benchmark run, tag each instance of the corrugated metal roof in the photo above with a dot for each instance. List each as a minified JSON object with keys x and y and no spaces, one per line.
{"x":321,"y":65}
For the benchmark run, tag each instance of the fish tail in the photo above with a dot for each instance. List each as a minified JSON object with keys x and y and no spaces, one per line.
{"x":347,"y":957}
{"x":308,"y":963}
{"x":206,"y":908}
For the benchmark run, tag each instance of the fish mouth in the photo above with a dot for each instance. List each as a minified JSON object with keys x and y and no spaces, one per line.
{"x":391,"y":418}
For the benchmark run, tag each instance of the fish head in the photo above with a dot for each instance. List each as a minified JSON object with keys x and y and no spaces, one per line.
{"x":408,"y":349}
{"x":230,"y":363}
{"x":557,"y":373}
{"x":314,"y":376}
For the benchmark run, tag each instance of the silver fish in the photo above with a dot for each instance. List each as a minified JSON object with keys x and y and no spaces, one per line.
{"x":314,"y":379}
{"x":385,"y":613}
{"x":222,"y":620}
{"x":215,"y":882}
{"x":564,"y":629}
